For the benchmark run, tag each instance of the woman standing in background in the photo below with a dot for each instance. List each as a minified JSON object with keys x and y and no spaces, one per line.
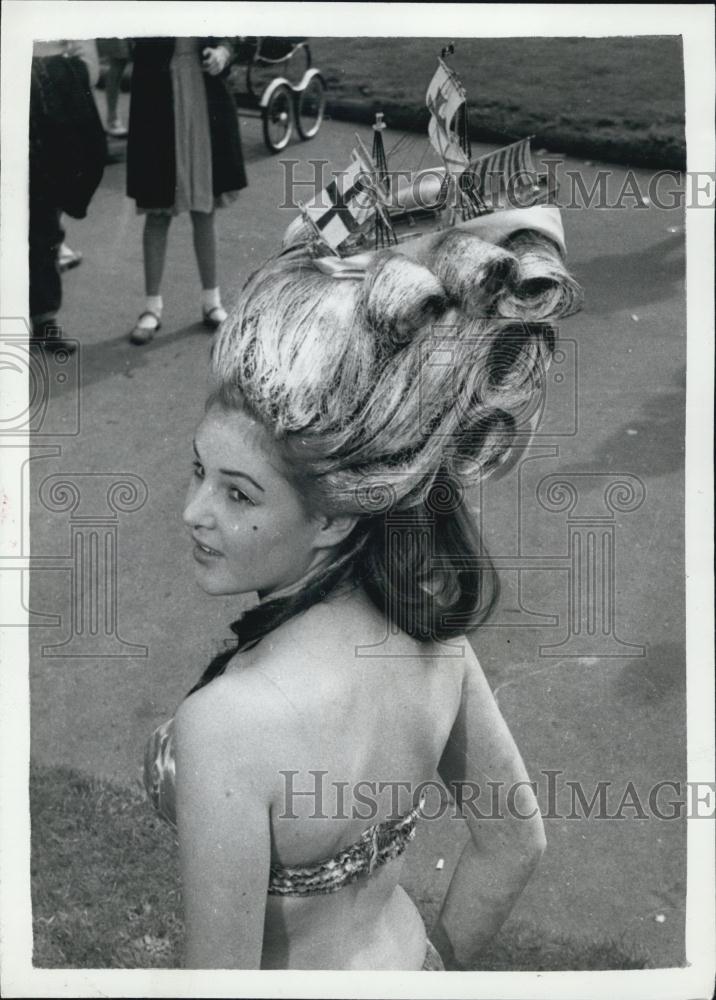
{"x":184,"y":154}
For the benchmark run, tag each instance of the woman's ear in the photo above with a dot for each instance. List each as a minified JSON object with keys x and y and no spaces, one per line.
{"x":332,"y":530}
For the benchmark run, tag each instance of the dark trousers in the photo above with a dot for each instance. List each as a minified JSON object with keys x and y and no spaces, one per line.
{"x":46,"y":235}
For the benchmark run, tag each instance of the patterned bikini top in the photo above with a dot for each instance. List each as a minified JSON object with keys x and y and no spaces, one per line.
{"x":377,"y":844}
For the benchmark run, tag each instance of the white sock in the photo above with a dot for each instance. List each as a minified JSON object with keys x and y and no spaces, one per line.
{"x":154,"y":304}
{"x":210,"y":299}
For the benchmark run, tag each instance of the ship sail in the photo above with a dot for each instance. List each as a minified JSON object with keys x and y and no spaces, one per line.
{"x":365,"y":203}
{"x":445,"y":97}
{"x":447,"y":103}
{"x":504,"y":170}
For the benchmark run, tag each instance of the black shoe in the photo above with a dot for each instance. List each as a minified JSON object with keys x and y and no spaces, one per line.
{"x":48,"y":336}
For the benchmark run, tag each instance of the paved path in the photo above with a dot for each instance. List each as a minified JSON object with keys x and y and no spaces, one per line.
{"x":618,"y":409}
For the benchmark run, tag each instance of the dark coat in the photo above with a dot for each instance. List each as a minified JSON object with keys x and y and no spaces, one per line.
{"x":68,"y":148}
{"x":151,"y":168}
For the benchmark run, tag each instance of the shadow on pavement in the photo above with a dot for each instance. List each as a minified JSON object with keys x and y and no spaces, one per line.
{"x":660,"y":674}
{"x":620,"y":281}
{"x":651,"y":445}
{"x":118,"y":356}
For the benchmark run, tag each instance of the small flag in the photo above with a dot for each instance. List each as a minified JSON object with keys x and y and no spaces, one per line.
{"x":444,"y":95}
{"x":443,"y":99}
{"x":344,"y":205}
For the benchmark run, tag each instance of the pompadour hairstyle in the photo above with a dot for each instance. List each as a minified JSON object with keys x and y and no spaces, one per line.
{"x":392,"y":393}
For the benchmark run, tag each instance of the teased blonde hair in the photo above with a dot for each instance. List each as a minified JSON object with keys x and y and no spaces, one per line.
{"x":388,"y":394}
{"x":374,"y":385}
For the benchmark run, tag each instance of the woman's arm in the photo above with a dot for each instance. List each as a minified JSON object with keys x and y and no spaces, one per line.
{"x":504,"y":849}
{"x":223,"y":824}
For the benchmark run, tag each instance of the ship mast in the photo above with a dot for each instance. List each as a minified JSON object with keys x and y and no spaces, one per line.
{"x":379,"y":157}
{"x":384,"y":233}
{"x":466,"y":197}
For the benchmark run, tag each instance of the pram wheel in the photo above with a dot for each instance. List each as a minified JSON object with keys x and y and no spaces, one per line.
{"x":278,"y":118}
{"x":282,"y":87}
{"x":310,"y":106}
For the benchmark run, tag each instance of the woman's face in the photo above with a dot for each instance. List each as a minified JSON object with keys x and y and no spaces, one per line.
{"x":246,"y":519}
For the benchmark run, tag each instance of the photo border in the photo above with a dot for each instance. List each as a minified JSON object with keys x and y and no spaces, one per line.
{"x":24,"y":20}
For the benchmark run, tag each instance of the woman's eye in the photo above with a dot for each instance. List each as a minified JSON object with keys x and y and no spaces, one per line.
{"x":238,"y":496}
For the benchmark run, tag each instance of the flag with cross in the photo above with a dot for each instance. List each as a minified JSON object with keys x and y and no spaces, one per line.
{"x":345,"y":204}
{"x":454,"y":157}
{"x":444,"y":97}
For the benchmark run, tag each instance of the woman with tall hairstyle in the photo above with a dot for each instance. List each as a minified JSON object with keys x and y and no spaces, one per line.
{"x":349,"y":411}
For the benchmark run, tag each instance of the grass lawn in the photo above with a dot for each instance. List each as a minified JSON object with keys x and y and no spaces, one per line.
{"x":619,"y":99}
{"x":104,"y":876}
{"x":105,"y":888}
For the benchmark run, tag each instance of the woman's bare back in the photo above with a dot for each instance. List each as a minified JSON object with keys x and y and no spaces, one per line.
{"x":359,"y":720}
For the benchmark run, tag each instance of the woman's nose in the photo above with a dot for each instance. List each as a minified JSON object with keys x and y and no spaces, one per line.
{"x":198,"y":510}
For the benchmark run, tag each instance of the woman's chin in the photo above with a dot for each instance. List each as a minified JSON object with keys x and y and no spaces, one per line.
{"x":218,"y":588}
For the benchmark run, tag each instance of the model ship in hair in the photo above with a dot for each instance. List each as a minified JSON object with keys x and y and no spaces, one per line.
{"x":497,"y":196}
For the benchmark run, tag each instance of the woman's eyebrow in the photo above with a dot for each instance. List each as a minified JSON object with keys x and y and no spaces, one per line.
{"x":241,"y":475}
{"x":231,"y":472}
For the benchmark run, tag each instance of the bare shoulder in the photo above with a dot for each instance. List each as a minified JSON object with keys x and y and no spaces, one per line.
{"x":326,"y":632}
{"x":263,"y":691}
{"x":477,"y":694}
{"x":472,"y":668}
{"x":239,"y":694}
{"x":235,"y":722}
{"x":332,"y":634}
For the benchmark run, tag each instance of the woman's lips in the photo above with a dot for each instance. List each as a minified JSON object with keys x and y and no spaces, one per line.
{"x":204,"y":553}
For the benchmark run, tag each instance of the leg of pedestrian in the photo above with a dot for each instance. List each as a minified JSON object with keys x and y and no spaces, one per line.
{"x":213,"y":313}
{"x":115,"y":71}
{"x":154,"y":242}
